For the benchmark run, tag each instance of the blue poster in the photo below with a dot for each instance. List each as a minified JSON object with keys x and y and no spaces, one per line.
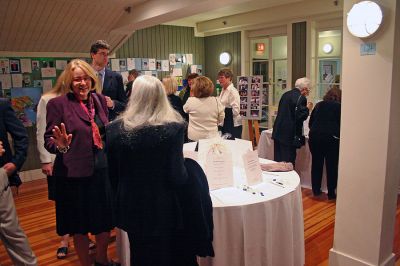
{"x":24,"y":101}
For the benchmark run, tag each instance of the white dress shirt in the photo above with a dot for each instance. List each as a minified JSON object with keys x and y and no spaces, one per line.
{"x":230,"y":98}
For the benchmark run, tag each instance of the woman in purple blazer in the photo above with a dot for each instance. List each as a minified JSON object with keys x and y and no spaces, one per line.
{"x":74,"y":132}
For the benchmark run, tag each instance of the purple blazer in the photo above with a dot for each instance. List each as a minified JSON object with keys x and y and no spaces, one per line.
{"x":78,"y":161}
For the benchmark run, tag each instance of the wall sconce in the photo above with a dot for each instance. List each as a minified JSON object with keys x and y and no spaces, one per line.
{"x":364,"y":19}
{"x":225,"y":58}
{"x":327,"y":48}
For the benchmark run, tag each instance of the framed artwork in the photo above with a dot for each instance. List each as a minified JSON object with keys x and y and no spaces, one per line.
{"x":15,"y":66}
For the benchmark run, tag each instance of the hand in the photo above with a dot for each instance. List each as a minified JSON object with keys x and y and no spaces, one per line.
{"x":10,"y":168}
{"x":2,"y":150}
{"x":47,"y":168}
{"x":60,"y":137}
{"x":310,"y":106}
{"x":110,"y":103}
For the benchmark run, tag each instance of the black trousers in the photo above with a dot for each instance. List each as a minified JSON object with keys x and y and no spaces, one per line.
{"x":284,"y":152}
{"x":160,"y":251}
{"x":324,"y":149}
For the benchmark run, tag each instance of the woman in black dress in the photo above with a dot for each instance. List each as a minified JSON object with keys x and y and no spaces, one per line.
{"x":74,"y":132}
{"x":146,"y":159}
{"x":324,"y":141}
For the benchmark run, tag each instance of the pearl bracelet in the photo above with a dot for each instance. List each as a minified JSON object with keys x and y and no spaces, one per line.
{"x":63,"y":150}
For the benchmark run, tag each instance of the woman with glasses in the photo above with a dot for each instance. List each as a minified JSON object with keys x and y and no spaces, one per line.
{"x":75,"y":131}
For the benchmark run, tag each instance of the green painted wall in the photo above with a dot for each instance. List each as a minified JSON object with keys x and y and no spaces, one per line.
{"x":214,"y":45}
{"x":160,"y":41}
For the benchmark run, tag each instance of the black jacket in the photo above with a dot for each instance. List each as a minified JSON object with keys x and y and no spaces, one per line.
{"x":197,"y":213}
{"x":11,"y":124}
{"x":113,"y":87}
{"x":285,"y":121}
{"x":325,"y":120}
{"x":146,"y":167}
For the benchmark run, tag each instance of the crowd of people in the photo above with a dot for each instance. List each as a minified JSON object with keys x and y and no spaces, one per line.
{"x":113,"y":157}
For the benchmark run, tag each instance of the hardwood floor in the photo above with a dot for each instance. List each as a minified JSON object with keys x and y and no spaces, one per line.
{"x":37,"y":218}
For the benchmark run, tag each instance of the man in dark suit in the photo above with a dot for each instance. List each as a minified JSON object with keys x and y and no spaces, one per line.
{"x":133,"y":74}
{"x":112,"y":84}
{"x":12,"y":235}
{"x":292,"y":111}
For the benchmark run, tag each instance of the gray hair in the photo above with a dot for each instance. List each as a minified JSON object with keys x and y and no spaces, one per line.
{"x":148,"y":105}
{"x":302,"y":83}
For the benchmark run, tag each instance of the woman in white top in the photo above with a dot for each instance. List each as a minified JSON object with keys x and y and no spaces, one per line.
{"x":230,"y":99}
{"x":205,"y":111}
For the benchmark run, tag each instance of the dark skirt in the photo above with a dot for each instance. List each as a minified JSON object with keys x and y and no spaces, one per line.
{"x":84,"y":205}
{"x":51,"y":187}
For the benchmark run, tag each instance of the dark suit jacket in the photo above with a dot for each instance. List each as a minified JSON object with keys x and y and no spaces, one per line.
{"x":284,"y":130}
{"x":176,"y":103}
{"x":128,"y":89}
{"x":325,"y":120}
{"x":146,"y":167}
{"x":113,"y":87}
{"x":11,"y":124}
{"x":79,"y":160}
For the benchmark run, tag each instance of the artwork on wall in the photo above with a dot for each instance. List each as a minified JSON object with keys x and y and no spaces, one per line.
{"x":4,"y":66}
{"x":249,"y":88}
{"x":15,"y":66}
{"x":24,"y":101}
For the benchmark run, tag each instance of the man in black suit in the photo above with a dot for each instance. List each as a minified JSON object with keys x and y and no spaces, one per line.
{"x":292,"y":111}
{"x":133,"y":74}
{"x":112,"y":85}
{"x":12,"y":235}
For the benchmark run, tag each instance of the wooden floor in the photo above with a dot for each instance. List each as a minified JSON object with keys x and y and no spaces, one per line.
{"x":37,"y":218}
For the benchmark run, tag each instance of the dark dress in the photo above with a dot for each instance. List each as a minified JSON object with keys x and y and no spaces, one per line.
{"x":84,"y":205}
{"x":324,"y":139}
{"x":147,"y":168}
{"x":176,"y":103}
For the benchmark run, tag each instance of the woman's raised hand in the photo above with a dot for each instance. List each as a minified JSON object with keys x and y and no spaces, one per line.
{"x":60,"y":136}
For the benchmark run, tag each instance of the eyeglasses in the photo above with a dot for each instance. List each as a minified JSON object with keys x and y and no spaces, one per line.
{"x":102,"y":53}
{"x":80,"y":79}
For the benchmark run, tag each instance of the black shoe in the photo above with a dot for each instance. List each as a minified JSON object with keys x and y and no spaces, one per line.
{"x":331,"y":196}
{"x":317,"y":193}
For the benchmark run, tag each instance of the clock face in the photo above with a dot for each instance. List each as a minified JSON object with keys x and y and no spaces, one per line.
{"x":364,"y":19}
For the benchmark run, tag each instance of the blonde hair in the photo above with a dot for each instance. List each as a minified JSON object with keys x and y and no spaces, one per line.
{"x":78,"y":63}
{"x":202,"y":87}
{"x":170,"y":84}
{"x":148,"y":105}
{"x":59,"y":88}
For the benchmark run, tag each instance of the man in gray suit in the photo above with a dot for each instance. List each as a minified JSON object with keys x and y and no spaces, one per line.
{"x":11,"y":234}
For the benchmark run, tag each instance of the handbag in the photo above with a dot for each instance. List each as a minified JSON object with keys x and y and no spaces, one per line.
{"x":298,"y":141}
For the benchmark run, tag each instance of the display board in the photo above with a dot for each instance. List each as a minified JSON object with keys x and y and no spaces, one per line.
{"x":251,"y":96}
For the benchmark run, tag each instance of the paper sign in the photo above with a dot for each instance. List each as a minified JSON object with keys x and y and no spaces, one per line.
{"x":189,"y":59}
{"x":61,"y":64}
{"x":5,"y":80}
{"x":152,"y":64}
{"x":16,"y":80}
{"x":177,"y":72}
{"x":48,"y":72}
{"x":124,"y":75}
{"x":26,"y":66}
{"x":130,"y":62}
{"x":172,"y":60}
{"x":164,"y":65}
{"x":219,"y":170}
{"x":115,"y":64}
{"x":193,"y":69}
{"x":252,"y":167}
{"x":47,"y":85}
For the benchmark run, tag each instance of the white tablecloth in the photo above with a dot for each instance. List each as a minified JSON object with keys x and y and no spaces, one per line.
{"x":255,"y":230}
{"x":303,"y":159}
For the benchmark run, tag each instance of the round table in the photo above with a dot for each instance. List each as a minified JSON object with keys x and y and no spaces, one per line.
{"x":258,"y":227}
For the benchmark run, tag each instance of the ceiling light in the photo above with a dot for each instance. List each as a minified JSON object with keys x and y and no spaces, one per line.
{"x":327,"y":48}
